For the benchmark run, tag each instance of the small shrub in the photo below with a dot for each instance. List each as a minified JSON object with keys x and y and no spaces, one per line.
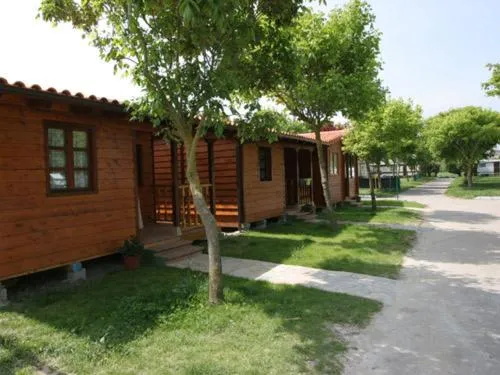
{"x":132,"y":247}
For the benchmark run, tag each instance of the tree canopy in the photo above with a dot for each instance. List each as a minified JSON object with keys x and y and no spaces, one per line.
{"x":187,"y":57}
{"x":492,"y":86}
{"x":463,"y":136}
{"x":331,"y":66}
{"x":400,"y":122}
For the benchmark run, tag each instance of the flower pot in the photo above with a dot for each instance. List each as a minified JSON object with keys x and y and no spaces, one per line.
{"x":131,"y":262}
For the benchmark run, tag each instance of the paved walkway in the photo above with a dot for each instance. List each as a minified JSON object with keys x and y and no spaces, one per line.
{"x":445,"y":315}
{"x":378,"y":288}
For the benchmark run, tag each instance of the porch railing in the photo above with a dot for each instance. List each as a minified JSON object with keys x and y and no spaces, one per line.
{"x":188,"y":215}
{"x":164,"y":208}
{"x":305,"y":191}
{"x":165,"y":204}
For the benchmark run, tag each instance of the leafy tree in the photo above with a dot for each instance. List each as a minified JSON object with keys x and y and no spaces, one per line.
{"x":492,"y":87}
{"x":186,"y":55}
{"x":331,"y":65}
{"x":463,"y":136}
{"x":365,"y":140}
{"x":266,"y":124}
{"x":400,"y":125}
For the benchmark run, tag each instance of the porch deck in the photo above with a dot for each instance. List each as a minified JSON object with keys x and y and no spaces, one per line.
{"x":167,"y":243}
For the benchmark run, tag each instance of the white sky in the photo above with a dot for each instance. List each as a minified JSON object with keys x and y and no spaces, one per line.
{"x":434,"y":51}
{"x":35,"y":52}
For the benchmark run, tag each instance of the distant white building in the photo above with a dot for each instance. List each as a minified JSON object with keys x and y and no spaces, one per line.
{"x":490,"y":166}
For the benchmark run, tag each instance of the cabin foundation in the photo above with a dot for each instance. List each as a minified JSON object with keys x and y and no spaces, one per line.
{"x":76,"y":272}
{"x":4,"y":301}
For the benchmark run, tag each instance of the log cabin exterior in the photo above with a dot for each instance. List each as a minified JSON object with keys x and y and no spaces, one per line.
{"x":250,"y":182}
{"x":77,"y":178}
{"x":69,"y":185}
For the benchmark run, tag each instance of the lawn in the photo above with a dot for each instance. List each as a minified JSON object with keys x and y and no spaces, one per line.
{"x":383,"y":215}
{"x":394,"y":203}
{"x":360,"y":249}
{"x":481,"y":186}
{"x":156,"y":321}
{"x":405,"y":185}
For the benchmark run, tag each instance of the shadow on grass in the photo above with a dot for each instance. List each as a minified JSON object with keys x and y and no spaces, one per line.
{"x":17,"y":356}
{"x":116,"y":311}
{"x":359,"y":249}
{"x":127,"y":305}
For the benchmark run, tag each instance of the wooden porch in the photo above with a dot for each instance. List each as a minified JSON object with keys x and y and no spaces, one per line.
{"x":299,"y":176}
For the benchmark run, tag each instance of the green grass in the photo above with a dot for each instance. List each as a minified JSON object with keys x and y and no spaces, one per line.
{"x":405,"y":185}
{"x":156,"y":320}
{"x":481,"y":186}
{"x":360,"y":249}
{"x":383,"y":215}
{"x":389,"y":202}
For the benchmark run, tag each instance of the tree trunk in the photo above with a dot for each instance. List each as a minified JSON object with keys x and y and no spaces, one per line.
{"x":372,"y":187}
{"x":379,"y":177}
{"x":469,"y":176}
{"x":323,"y":171}
{"x":215,"y":294}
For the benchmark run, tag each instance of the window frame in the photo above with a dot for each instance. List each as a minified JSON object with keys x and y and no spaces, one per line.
{"x":268,"y":164}
{"x":139,"y":160}
{"x":334,"y":163}
{"x":68,"y":128}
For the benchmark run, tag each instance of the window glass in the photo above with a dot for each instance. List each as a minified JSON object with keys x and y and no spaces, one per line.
{"x":81,"y":159}
{"x":81,"y":179}
{"x":70,"y":166}
{"x":79,"y":139}
{"x":57,"y":159}
{"x":58,"y":180}
{"x":56,"y":137}
{"x":265,"y":164}
{"x":333,"y":163}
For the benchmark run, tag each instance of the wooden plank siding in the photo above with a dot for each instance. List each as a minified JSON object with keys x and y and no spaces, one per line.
{"x":38,"y":231}
{"x":263,"y":199}
{"x":225,"y":183}
{"x":146,"y":189}
{"x":337,"y":181}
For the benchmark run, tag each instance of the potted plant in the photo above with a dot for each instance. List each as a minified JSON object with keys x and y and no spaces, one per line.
{"x":132,"y":251}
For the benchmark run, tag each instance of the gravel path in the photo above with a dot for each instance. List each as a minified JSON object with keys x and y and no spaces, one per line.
{"x":444,"y":316}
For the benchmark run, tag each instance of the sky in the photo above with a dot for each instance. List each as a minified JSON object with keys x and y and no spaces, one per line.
{"x":433,"y":51}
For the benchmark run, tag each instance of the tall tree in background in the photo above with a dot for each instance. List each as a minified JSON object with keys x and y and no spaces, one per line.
{"x":365,"y":140}
{"x":463,"y":136}
{"x":400,"y":124}
{"x":333,"y":66}
{"x":186,"y":56}
{"x":492,"y":87}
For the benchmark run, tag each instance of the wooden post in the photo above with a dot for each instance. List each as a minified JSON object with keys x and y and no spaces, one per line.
{"x":175,"y":184}
{"x":312,"y":180}
{"x":239,"y":181}
{"x":298,"y":177}
{"x":211,"y":173}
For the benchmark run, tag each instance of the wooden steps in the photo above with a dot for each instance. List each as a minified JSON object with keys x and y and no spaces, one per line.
{"x":302,"y":215}
{"x":175,"y":247}
{"x":179,"y":253}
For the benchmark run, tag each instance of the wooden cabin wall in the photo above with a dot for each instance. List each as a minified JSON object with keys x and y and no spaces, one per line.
{"x":337,"y":181}
{"x":226,"y":183}
{"x":146,"y":185}
{"x":263,"y":199}
{"x":354,"y":181}
{"x":38,"y":231}
{"x":319,"y":198}
{"x":224,"y":171}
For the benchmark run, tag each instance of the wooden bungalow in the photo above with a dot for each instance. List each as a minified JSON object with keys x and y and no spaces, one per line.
{"x":246,"y":183}
{"x":77,"y":178}
{"x":70,"y":186}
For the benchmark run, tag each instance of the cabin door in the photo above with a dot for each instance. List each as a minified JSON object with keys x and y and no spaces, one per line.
{"x":291,"y":177}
